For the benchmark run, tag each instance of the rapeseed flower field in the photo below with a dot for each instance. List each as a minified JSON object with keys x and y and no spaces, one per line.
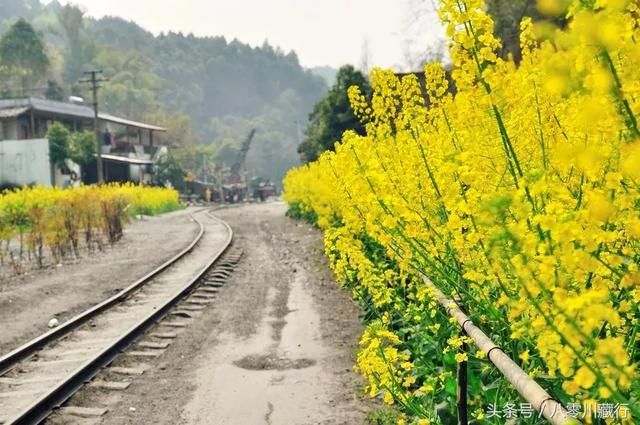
{"x":60,"y":220}
{"x":518,"y":196}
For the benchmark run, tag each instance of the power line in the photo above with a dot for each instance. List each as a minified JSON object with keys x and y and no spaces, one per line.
{"x":95,"y":86}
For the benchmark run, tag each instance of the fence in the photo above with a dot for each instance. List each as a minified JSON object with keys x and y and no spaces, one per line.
{"x":529,"y":389}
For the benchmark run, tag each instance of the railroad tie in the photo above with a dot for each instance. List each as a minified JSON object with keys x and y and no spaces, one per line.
{"x":155,"y":353}
{"x":207,"y":290}
{"x":182,"y":313}
{"x":204,"y":296}
{"x":164,"y":335}
{"x":154,"y":345}
{"x":110,"y":385}
{"x":174,"y":324}
{"x":127,"y":371}
{"x":198,"y":301}
{"x":215,"y":281}
{"x":192,"y":308}
{"x":223,"y":269}
{"x":83,"y":412}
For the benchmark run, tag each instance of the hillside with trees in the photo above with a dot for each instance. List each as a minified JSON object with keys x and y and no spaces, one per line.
{"x":208,"y":91}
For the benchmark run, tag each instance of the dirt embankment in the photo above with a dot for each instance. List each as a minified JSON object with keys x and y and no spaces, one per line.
{"x":28,"y":303}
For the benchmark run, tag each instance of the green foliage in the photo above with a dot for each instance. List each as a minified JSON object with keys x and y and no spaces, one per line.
{"x":332,"y":116}
{"x":168,"y":169}
{"x":82,"y":147}
{"x":23,"y":52}
{"x":59,"y":138}
{"x":296,"y":210}
{"x":133,"y":87}
{"x":79,"y":147}
{"x":195,"y":159}
{"x":78,"y":49}
{"x":54,"y":91}
{"x":179,"y":128}
{"x":385,"y":416}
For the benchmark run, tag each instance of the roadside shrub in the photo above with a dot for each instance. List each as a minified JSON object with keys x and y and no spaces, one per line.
{"x":297,"y":211}
{"x":60,"y":219}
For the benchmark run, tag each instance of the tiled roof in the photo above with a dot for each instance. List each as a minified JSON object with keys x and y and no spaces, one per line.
{"x":122,"y":121}
{"x":10,"y":108}
{"x":12,"y":112}
{"x":51,"y":106}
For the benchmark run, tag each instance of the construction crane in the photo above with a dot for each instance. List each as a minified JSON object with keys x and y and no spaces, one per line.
{"x":238,"y":168}
{"x":235,"y":189}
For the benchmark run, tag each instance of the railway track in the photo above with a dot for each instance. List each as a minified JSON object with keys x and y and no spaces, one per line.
{"x":43,"y":374}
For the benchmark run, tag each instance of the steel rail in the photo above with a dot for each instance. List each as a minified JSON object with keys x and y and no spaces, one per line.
{"x":529,"y":389}
{"x":40,"y":409}
{"x":12,"y":358}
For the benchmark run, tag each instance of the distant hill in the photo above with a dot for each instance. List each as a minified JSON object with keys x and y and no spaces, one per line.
{"x":326,"y":72}
{"x":210,"y":76}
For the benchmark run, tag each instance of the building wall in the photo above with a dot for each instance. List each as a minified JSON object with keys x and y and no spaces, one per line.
{"x":23,"y":124}
{"x":9,"y":130}
{"x":24,"y":162}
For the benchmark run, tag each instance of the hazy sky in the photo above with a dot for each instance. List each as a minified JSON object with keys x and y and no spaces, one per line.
{"x":322,"y":32}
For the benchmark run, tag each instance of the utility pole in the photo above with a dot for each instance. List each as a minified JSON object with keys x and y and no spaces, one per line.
{"x":95,"y":85}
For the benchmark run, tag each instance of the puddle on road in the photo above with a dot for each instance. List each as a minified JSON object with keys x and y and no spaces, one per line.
{"x":272,"y":362}
{"x":271,"y":377}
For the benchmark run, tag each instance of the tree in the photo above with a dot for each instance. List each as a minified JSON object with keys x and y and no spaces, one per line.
{"x":507,"y":16}
{"x":82,"y":147}
{"x":132,"y":88}
{"x":179,"y":128}
{"x":169,"y":170}
{"x":332,"y":116}
{"x":59,"y":137}
{"x":22,"y":51}
{"x":78,"y":51}
{"x":54,"y":91}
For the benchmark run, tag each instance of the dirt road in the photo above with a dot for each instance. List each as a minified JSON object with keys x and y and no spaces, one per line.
{"x":276,"y":348}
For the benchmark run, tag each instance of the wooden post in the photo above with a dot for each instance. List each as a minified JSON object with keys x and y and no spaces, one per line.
{"x":461,"y":400}
{"x":462,"y":378}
